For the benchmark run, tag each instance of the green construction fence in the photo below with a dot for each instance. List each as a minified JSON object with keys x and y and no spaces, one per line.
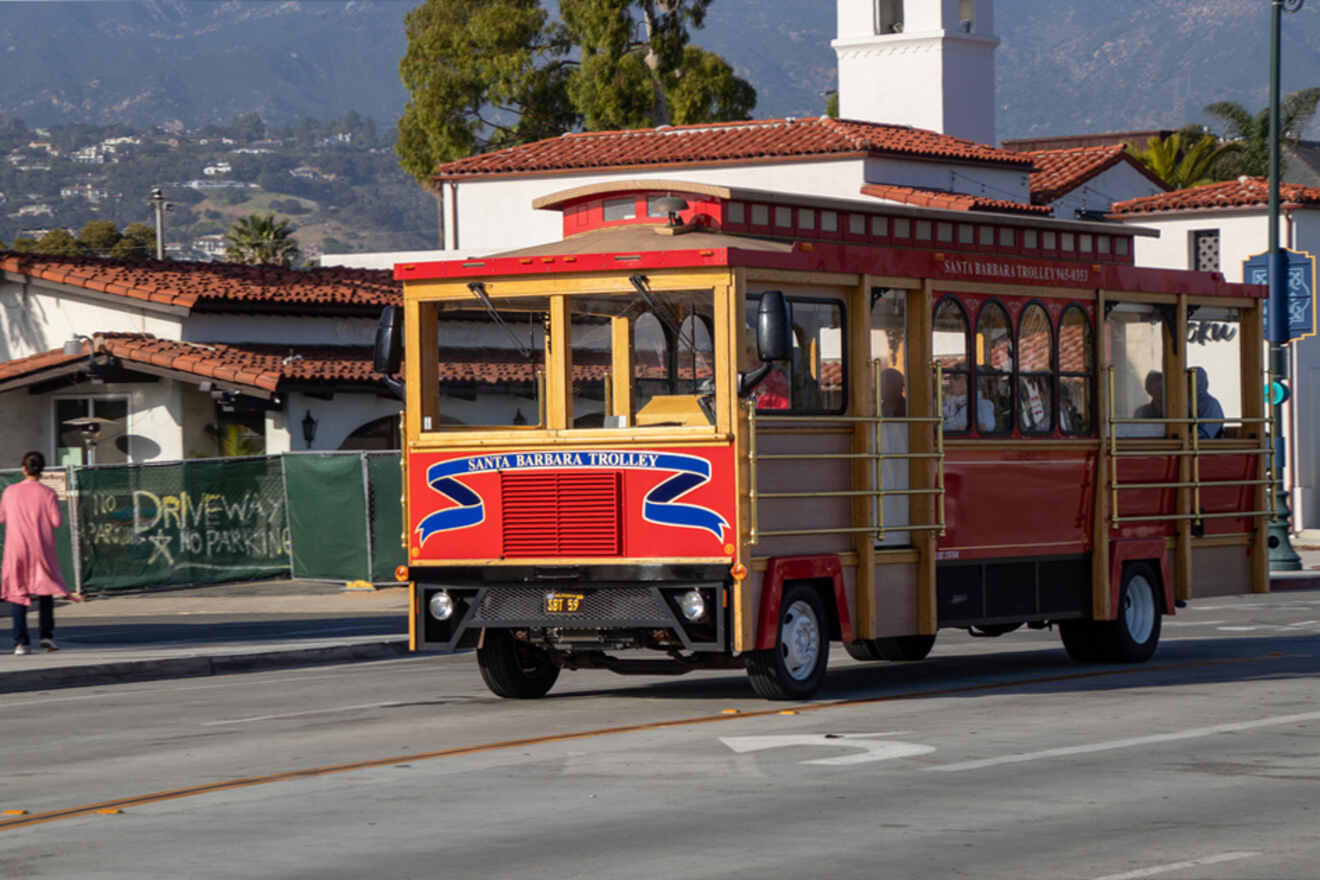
{"x":323,"y":516}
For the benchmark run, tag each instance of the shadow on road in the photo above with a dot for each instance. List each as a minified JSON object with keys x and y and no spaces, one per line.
{"x":128,"y":632}
{"x":1041,"y":670}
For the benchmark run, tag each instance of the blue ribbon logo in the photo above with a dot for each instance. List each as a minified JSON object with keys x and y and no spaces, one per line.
{"x":661,"y":505}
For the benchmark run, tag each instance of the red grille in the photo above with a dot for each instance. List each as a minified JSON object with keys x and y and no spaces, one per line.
{"x":561,"y":514}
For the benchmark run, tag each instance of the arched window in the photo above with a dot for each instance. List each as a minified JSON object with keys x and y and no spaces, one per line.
{"x":1076,"y":372}
{"x":994,"y":370}
{"x":949,"y":346}
{"x":1035,"y":368}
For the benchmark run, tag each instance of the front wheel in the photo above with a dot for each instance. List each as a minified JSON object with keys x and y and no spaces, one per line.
{"x":514,"y":669}
{"x":795,"y":668}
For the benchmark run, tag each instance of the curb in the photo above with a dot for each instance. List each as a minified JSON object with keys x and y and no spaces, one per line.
{"x":194,"y":667}
{"x":1301,"y":581}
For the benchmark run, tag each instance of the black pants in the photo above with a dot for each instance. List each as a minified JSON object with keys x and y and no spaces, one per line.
{"x":45,"y":619}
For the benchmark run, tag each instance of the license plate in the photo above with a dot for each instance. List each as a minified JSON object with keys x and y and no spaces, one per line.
{"x":563,"y":603}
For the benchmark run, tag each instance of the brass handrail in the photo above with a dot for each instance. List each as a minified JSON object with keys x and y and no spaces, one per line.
{"x":876,"y":491}
{"x":1196,"y":452}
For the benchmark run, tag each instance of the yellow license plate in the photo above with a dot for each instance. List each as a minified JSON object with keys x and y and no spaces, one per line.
{"x":563,"y":603}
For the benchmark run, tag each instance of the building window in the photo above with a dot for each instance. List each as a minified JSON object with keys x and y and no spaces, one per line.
{"x":967,"y":15}
{"x":1205,"y":250}
{"x":620,"y":209}
{"x":889,"y":17}
{"x":98,"y":433}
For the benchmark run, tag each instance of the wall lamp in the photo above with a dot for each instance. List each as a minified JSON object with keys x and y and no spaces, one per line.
{"x":309,"y":428}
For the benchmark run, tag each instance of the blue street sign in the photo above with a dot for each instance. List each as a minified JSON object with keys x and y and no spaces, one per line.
{"x":1300,"y":289}
{"x":1276,"y":393}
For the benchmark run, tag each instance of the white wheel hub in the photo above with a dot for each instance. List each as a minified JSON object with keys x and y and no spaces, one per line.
{"x":800,"y":640}
{"x":1139,"y":609}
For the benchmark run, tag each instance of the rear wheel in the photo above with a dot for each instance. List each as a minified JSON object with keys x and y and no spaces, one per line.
{"x":903,"y":648}
{"x":1079,"y":640}
{"x":1133,"y":636}
{"x":514,"y":669}
{"x":795,"y":668}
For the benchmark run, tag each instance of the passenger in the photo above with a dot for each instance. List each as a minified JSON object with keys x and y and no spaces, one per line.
{"x":1154,"y":409}
{"x":955,"y":406}
{"x":892,"y":402}
{"x":1209,"y":414}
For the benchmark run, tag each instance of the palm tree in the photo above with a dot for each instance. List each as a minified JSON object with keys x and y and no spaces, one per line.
{"x":1253,"y":132}
{"x":257,"y":239}
{"x":1185,"y":158}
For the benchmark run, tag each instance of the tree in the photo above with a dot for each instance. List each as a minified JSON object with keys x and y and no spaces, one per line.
{"x":1253,"y":132}
{"x":256,"y":239}
{"x":1185,"y":158}
{"x":489,"y":74}
{"x":99,"y":237}
{"x":59,"y":243}
{"x":138,"y":242}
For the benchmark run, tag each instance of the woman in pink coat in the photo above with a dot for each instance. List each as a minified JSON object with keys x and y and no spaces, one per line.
{"x":31,"y":512}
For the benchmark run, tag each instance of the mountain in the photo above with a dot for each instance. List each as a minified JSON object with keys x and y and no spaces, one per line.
{"x":1063,"y":67}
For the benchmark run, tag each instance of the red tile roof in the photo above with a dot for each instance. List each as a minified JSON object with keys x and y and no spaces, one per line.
{"x":720,"y":142}
{"x":1245,"y":192}
{"x":188,"y":284}
{"x":42,"y":361}
{"x":258,"y":366}
{"x":929,"y":198}
{"x":1061,"y":171}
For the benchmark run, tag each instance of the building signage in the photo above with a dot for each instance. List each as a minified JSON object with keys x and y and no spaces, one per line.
{"x":1300,"y":292}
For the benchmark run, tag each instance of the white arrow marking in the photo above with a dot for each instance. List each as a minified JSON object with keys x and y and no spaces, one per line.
{"x":871,"y":749}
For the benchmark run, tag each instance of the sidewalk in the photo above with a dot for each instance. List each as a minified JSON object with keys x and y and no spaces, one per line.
{"x":210,"y":630}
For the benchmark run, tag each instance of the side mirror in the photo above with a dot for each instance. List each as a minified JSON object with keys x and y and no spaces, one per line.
{"x":388,"y":355}
{"x":774,"y":338}
{"x":774,"y":327}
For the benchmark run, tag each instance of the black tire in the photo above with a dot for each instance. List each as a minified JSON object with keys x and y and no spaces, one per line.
{"x":1079,"y":640}
{"x":862,"y":650}
{"x":514,"y":669}
{"x":902,"y":649}
{"x":795,"y":668}
{"x":1135,"y":634}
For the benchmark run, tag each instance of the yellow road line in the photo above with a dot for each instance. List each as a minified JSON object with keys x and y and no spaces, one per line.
{"x":249,"y":781}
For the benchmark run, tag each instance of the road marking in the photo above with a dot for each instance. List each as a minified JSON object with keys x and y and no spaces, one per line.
{"x":333,"y":709}
{"x":871,"y":748}
{"x":478,"y":748}
{"x":1169,"y":623}
{"x":1128,"y":742}
{"x":1179,"y":866}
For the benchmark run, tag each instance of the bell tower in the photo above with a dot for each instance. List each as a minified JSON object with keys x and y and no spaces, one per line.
{"x":924,"y":63}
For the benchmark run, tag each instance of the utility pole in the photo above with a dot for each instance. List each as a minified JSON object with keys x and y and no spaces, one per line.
{"x":157,"y":201}
{"x":1282,"y":555}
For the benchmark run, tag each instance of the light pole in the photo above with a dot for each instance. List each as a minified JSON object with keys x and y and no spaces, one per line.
{"x":1282,"y":555}
{"x":158,"y":202}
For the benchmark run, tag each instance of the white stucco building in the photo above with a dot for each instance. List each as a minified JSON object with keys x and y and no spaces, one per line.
{"x":187,"y":360}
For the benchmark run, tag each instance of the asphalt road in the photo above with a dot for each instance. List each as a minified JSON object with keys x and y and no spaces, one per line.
{"x":996,"y":758}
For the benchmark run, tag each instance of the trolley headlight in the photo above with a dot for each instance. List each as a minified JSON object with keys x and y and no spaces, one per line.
{"x":693,"y":605}
{"x":441,"y":605}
